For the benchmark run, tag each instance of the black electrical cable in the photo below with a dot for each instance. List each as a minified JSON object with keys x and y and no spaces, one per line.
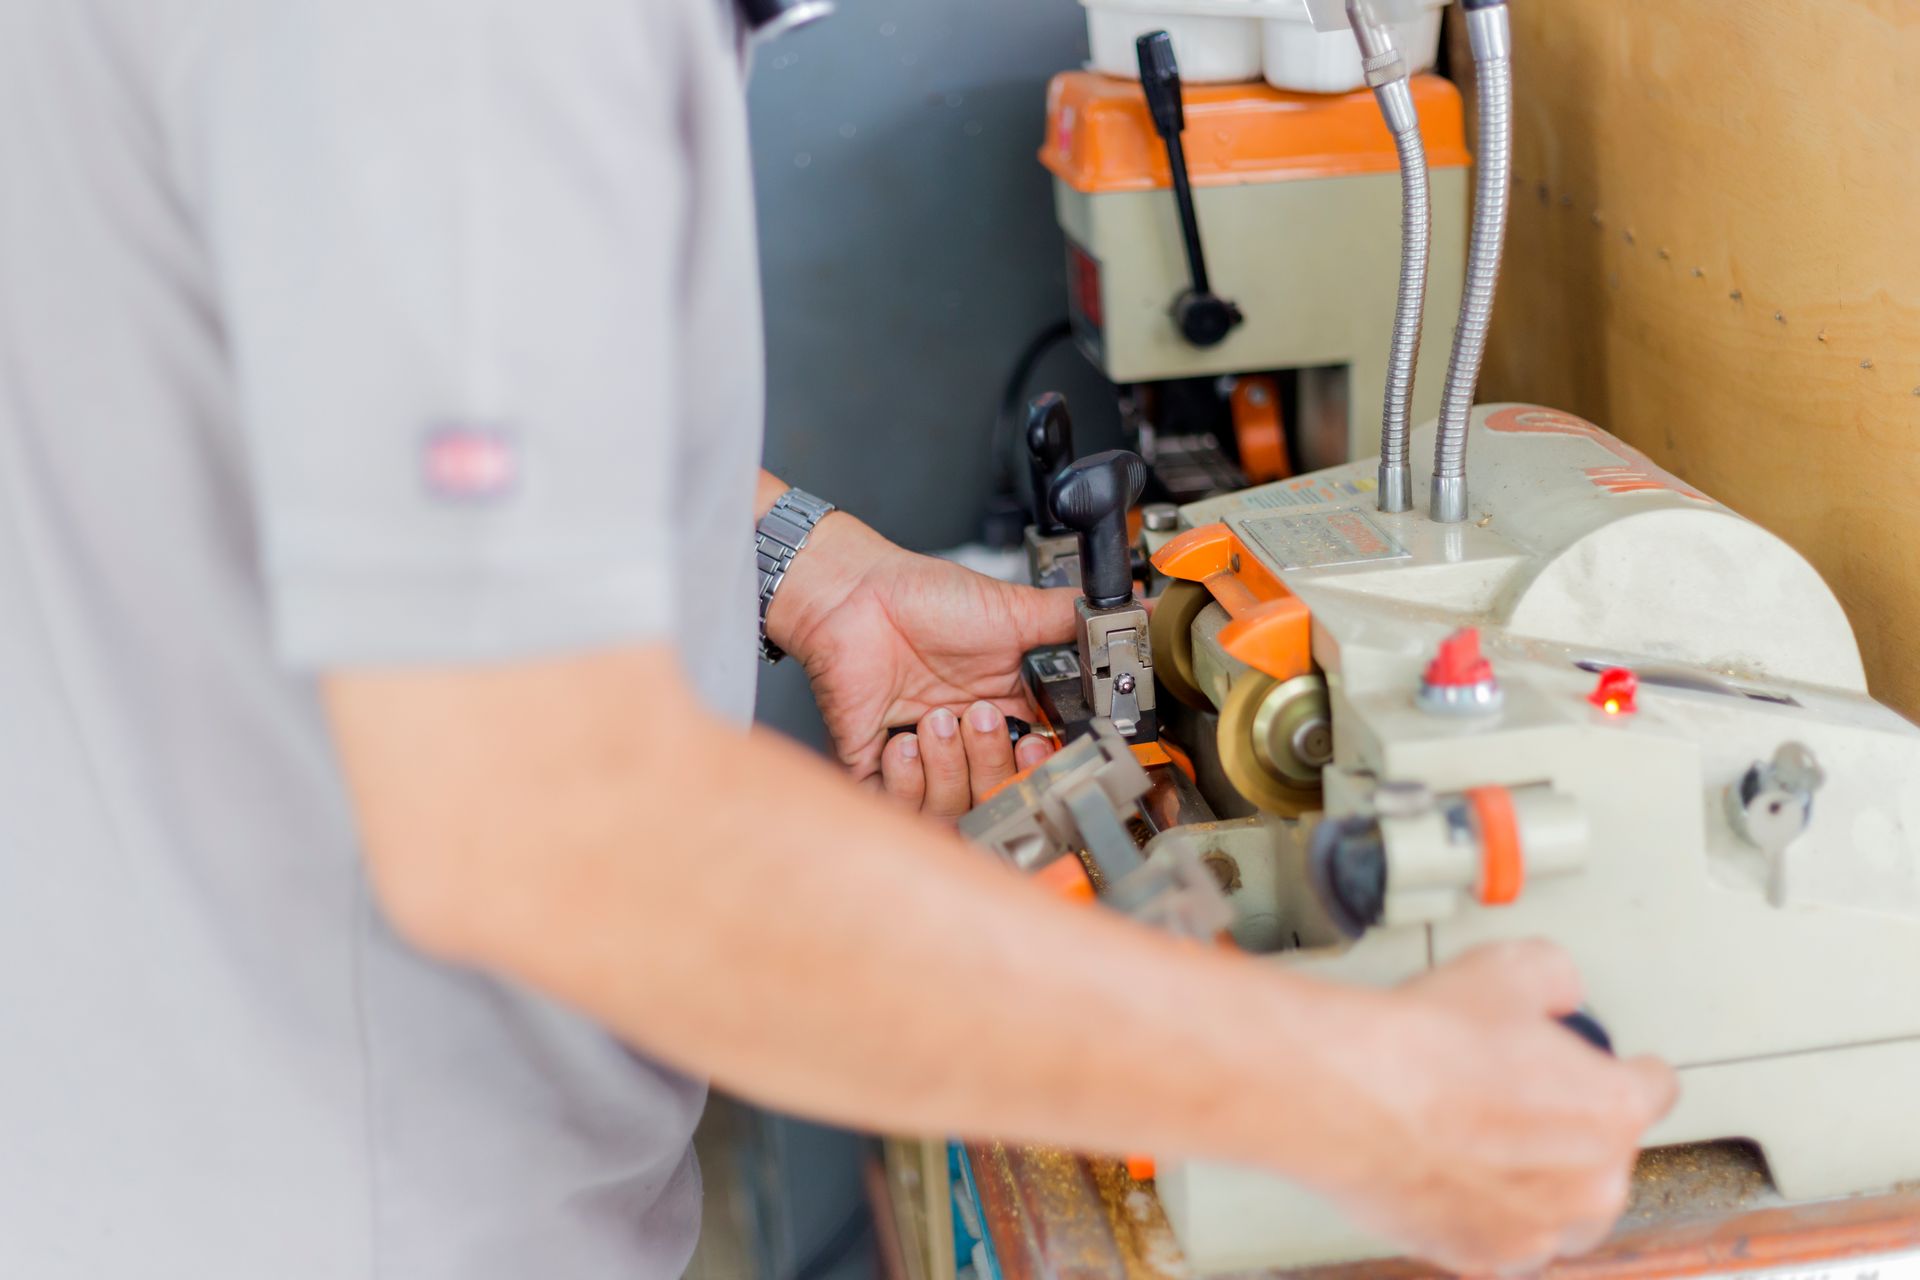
{"x":838,"y":1246}
{"x":1014,"y":393}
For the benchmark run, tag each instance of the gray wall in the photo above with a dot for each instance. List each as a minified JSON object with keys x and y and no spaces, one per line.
{"x":909,"y":252}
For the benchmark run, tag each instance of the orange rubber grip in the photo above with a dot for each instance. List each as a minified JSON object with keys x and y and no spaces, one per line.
{"x":1503,"y":868}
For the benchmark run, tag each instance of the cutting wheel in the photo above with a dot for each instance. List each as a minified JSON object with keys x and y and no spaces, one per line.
{"x":1170,"y":630}
{"x":1275,"y":737}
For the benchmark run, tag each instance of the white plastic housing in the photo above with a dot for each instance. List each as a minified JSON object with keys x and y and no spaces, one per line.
{"x":1228,"y":41}
{"x":1294,"y":55}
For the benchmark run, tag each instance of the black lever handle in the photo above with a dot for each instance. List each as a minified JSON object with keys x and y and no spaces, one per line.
{"x":1049,"y":448}
{"x":1204,"y":319}
{"x":1092,"y":498}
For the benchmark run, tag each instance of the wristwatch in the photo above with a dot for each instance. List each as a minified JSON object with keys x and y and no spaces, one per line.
{"x":777,"y":539}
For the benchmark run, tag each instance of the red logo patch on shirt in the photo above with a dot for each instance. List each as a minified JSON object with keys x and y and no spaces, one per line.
{"x":469,"y":464}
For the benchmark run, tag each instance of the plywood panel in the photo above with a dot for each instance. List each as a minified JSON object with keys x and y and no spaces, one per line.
{"x":1715,"y":252}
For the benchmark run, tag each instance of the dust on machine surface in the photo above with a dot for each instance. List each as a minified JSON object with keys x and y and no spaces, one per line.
{"x":1506,"y":678}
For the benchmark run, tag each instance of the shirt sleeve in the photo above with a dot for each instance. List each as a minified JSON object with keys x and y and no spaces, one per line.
{"x":444,"y":236}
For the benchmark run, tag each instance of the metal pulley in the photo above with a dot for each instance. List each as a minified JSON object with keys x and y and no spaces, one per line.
{"x":1170,"y":632}
{"x":1275,"y":738}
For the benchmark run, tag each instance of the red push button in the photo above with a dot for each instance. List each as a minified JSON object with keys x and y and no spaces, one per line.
{"x":1459,"y":661}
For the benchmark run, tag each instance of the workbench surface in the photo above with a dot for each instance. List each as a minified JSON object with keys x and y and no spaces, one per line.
{"x":1696,"y":1211}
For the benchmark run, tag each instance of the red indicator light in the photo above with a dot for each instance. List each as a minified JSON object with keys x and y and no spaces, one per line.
{"x":1617,"y":693}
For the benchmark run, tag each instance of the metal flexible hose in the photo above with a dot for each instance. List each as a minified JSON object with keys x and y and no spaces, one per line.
{"x":1488,"y":30}
{"x":1396,"y":474}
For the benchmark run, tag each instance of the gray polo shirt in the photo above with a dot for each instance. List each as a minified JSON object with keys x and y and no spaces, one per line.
{"x":338,"y":332}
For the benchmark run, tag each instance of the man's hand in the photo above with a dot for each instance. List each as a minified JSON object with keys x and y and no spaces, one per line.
{"x":891,"y":638}
{"x":1498,"y":1140}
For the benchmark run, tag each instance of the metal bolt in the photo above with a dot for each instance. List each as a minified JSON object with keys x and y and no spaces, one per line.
{"x":1867,"y":363}
{"x":1312,"y":743}
{"x":1233,"y":563}
{"x":1123,"y":683}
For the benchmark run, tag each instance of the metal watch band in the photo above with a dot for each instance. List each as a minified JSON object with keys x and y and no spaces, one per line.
{"x":777,"y":539}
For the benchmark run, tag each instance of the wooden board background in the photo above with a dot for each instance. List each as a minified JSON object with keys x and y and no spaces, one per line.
{"x":1715,"y":253}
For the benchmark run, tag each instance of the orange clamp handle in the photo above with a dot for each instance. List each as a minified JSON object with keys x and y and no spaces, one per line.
{"x":1271,"y":631}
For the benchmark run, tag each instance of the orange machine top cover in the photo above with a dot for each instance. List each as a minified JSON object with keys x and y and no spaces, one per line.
{"x":1100,"y":137}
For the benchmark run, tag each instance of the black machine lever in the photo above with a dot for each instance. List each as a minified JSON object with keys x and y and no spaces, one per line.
{"x":1092,"y":498}
{"x":1204,"y":318}
{"x":1049,"y":449}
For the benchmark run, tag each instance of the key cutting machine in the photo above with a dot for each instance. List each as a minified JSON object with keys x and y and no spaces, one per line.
{"x":1569,"y":696}
{"x":1221,"y":234}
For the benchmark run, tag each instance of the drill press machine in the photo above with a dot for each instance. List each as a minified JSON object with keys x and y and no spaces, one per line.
{"x":1220,"y":235}
{"x":1578,"y":699}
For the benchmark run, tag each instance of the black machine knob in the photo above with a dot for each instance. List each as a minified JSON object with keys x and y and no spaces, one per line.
{"x":1588,"y":1028}
{"x":1092,"y":498}
{"x":1203,"y":318}
{"x":1049,"y":449}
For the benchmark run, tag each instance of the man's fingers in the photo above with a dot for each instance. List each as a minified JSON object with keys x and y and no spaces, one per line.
{"x":1529,"y":973}
{"x":1030,"y":751}
{"x":944,"y":759}
{"x":1659,"y":1084}
{"x":1045,"y":616}
{"x":900,"y":773}
{"x":989,"y":751}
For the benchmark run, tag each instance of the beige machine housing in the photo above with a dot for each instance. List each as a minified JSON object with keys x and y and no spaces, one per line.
{"x":1781,"y":980}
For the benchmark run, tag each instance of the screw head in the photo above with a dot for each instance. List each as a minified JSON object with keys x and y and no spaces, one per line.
{"x":1312,"y":743}
{"x":1124,"y":682}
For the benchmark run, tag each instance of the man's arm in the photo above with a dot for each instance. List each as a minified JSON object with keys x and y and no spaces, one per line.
{"x":736,"y":908}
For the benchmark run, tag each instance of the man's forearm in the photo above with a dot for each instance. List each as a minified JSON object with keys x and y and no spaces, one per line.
{"x":734,"y":906}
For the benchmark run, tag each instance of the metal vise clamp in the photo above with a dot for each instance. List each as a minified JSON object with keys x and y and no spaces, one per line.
{"x":1083,"y":797}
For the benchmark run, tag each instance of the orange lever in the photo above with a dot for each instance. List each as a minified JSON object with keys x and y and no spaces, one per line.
{"x":1271,"y":630}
